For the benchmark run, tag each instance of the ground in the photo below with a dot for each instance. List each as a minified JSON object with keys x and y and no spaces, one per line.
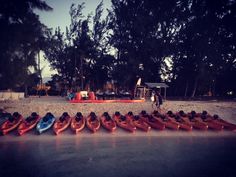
{"x":119,"y":154}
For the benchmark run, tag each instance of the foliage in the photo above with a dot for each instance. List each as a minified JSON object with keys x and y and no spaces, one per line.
{"x":21,"y":36}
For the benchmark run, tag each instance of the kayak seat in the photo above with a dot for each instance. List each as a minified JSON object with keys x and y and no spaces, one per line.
{"x":130,"y":113}
{"x":143,"y":112}
{"x":30,"y":119}
{"x":105,"y":114}
{"x":11,"y":118}
{"x":93,"y":117}
{"x":215,"y":116}
{"x":62,"y":118}
{"x":117,"y":113}
{"x":151,"y":119}
{"x":108,"y":118}
{"x":136,"y":117}
{"x":46,"y":118}
{"x":123,"y":118}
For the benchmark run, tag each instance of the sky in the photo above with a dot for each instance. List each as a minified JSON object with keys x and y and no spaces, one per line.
{"x":60,"y":17}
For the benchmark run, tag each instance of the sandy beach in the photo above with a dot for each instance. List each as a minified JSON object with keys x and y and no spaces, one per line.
{"x":58,"y":105}
{"x":120,"y":154}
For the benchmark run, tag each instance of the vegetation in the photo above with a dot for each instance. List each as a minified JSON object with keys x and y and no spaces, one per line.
{"x":190,"y":44}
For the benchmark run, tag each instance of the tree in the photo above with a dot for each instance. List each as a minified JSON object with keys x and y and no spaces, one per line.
{"x":20,"y":32}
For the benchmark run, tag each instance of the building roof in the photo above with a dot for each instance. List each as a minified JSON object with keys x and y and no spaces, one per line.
{"x":156,"y":85}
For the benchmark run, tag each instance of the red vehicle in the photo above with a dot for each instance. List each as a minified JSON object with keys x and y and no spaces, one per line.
{"x":164,"y":119}
{"x":12,"y":123}
{"x":184,"y":125}
{"x":92,"y":122}
{"x":123,"y":122}
{"x":227,"y":125}
{"x":62,"y":123}
{"x":138,"y":122}
{"x":29,"y":123}
{"x":208,"y":119}
{"x":152,"y":121}
{"x":78,"y":122}
{"x":189,"y":118}
{"x":107,"y":122}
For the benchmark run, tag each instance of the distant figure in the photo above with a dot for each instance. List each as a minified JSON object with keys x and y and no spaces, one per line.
{"x":158,"y":99}
{"x":70,"y":94}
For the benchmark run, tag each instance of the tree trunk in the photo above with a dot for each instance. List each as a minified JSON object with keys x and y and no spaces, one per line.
{"x":81,"y":69}
{"x":40,"y":74}
{"x":186,"y":89}
{"x":195,"y":87}
{"x":26,"y":91}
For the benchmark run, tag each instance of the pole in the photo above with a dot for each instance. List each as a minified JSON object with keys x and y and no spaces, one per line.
{"x":81,"y":69}
{"x":40,"y":74}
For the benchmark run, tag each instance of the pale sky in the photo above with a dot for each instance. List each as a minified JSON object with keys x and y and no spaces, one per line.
{"x":60,"y":17}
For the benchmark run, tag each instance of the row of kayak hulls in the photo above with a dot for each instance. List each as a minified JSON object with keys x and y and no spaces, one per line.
{"x":128,"y":122}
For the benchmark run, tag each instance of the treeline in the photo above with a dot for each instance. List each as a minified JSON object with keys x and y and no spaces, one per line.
{"x":190,"y":44}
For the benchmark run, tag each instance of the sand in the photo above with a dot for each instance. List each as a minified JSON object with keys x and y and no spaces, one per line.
{"x":58,"y":105}
{"x":156,"y":153}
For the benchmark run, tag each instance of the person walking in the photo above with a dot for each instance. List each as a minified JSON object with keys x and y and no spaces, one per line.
{"x":158,"y":101}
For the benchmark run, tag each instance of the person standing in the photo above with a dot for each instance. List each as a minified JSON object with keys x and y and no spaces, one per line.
{"x":158,"y":99}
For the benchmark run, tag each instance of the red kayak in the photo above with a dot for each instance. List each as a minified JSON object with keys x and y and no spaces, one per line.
{"x":92,"y":122}
{"x":184,"y":125}
{"x":138,"y":122}
{"x":62,"y":123}
{"x":29,"y":123}
{"x":208,"y":119}
{"x":190,"y":119}
{"x":107,"y":122}
{"x":78,"y":122}
{"x":152,"y":121}
{"x":124,"y":123}
{"x":12,"y":123}
{"x":227,"y":125}
{"x":166,"y":121}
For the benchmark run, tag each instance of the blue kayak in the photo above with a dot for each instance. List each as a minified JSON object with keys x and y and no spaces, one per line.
{"x":45,"y":123}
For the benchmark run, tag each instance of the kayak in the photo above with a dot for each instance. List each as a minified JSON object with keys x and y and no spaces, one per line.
{"x":3,"y":116}
{"x":152,"y":121}
{"x":12,"y":123}
{"x":45,"y":123}
{"x":170,"y":124}
{"x":208,"y":119}
{"x":138,"y":122}
{"x":92,"y":122}
{"x":227,"y":125}
{"x":29,"y":123}
{"x":62,"y":123}
{"x":192,"y":121}
{"x":124,"y":123}
{"x":107,"y":122}
{"x":77,"y":122}
{"x":184,"y":125}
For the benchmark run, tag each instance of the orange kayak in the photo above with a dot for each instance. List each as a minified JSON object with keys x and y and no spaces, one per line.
{"x":92,"y":122}
{"x":227,"y":125}
{"x":107,"y":122}
{"x":12,"y":123}
{"x":184,"y":125}
{"x":77,"y":123}
{"x":62,"y":123}
{"x":188,"y":119}
{"x":208,"y":119}
{"x":166,"y":121}
{"x":124,"y":123}
{"x":29,"y":123}
{"x":138,"y":122}
{"x":152,"y":121}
